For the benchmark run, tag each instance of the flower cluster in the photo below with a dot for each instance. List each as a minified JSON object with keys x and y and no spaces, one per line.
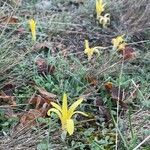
{"x":118,"y":44}
{"x":104,"y":20}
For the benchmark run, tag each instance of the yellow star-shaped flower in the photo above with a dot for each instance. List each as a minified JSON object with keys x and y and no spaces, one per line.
{"x":119,"y":42}
{"x":90,"y":51}
{"x":65,"y":113}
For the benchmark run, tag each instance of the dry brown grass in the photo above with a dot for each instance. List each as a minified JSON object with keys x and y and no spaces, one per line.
{"x":131,"y":16}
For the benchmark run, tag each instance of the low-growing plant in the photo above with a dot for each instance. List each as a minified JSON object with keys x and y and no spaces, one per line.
{"x":65,"y":114}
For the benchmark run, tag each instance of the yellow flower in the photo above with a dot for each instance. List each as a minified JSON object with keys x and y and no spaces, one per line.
{"x":90,"y":51}
{"x":32,"y":24}
{"x":105,"y":20}
{"x":122,"y":46}
{"x":64,"y":113}
{"x":99,"y":7}
{"x":118,"y":42}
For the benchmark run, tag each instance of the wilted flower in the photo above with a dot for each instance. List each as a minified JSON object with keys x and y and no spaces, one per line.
{"x":105,"y":20}
{"x":90,"y":51}
{"x":119,"y":42}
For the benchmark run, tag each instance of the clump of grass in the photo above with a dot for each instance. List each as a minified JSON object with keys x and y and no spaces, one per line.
{"x":69,"y":76}
{"x":13,"y":48}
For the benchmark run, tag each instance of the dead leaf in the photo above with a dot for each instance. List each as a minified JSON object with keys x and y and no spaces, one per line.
{"x":44,"y":46}
{"x":29,"y":118}
{"x":103,"y":111}
{"x":43,"y":67}
{"x":38,"y":101}
{"x":92,"y":80}
{"x":108,"y":85}
{"x":128,"y":53}
{"x":5,"y":99}
{"x":46,"y":94}
{"x":8,"y":88}
{"x":116,"y":94}
{"x":42,"y":105}
{"x":9,"y":20}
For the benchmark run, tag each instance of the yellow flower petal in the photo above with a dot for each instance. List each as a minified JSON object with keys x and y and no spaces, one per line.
{"x":120,"y":38}
{"x":32,"y":24}
{"x":86,"y":44}
{"x":70,"y":126}
{"x":73,"y":107}
{"x":56,"y":106}
{"x":122,"y":46}
{"x":80,"y":112}
{"x":64,"y":107}
{"x":99,"y":7}
{"x":55,"y":111}
{"x":117,"y":41}
{"x":89,"y":51}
